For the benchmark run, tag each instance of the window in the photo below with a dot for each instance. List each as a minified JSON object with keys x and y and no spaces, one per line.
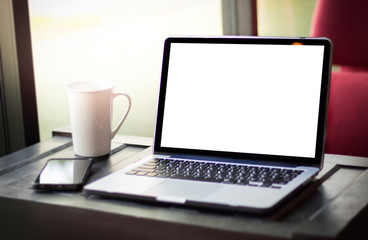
{"x":284,"y":17}
{"x":116,"y":40}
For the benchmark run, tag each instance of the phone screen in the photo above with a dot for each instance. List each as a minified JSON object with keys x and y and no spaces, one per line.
{"x":63,"y":174}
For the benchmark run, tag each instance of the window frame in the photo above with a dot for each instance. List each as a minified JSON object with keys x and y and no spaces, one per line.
{"x":239,"y":17}
{"x":18,"y":94}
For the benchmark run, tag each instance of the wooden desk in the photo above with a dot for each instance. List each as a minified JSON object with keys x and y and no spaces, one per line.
{"x":333,"y":206}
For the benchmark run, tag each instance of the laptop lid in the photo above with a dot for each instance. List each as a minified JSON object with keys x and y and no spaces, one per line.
{"x":262,"y":99}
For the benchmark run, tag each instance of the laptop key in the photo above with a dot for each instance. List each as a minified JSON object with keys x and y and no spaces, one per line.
{"x":162,"y":175}
{"x":131,"y":172}
{"x":140,"y":173}
{"x":147,"y":170}
{"x":151,"y":174}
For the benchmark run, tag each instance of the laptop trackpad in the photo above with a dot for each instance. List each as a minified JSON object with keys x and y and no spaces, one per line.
{"x":179,"y":191}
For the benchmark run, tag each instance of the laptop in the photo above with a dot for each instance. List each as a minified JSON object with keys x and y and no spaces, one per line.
{"x":240,"y":124}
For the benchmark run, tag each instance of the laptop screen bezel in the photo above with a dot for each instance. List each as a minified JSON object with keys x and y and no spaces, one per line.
{"x":316,"y":161}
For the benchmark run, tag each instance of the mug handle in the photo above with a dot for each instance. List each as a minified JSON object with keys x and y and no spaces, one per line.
{"x":116,"y":129}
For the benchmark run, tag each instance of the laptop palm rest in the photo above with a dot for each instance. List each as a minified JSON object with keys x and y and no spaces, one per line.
{"x":178,"y":191}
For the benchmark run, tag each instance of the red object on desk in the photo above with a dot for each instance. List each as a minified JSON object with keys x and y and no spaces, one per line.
{"x":346,"y":24}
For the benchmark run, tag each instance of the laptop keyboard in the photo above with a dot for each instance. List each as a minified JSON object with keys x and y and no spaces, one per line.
{"x":216,"y":172}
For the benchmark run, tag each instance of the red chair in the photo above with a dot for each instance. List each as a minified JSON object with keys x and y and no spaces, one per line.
{"x":346,"y":24}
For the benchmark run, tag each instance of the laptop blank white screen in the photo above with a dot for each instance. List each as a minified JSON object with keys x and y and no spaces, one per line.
{"x":248,"y":98}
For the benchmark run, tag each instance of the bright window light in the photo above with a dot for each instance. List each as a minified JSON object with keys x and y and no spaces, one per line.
{"x":116,"y":40}
{"x":284,"y":17}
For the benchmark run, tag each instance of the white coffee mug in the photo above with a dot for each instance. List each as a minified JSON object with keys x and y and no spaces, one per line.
{"x":91,"y":107}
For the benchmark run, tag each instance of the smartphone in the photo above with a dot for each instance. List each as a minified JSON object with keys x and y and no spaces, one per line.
{"x":63,"y":174}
